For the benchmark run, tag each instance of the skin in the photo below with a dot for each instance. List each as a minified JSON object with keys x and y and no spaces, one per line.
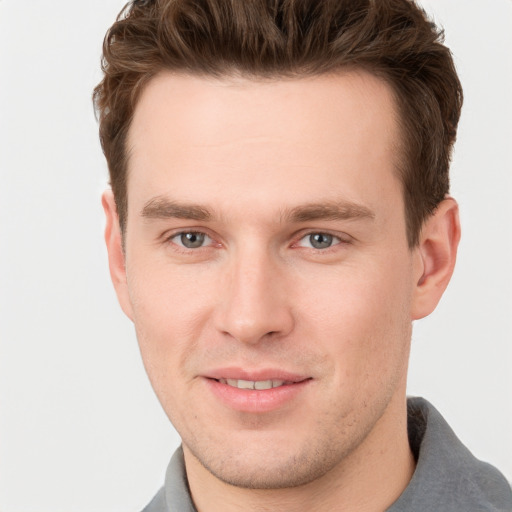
{"x":242,"y":162}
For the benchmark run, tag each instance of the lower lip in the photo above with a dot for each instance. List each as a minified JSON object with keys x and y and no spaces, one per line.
{"x":256,"y":401}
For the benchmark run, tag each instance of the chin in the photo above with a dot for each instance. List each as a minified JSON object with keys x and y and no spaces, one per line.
{"x":289,"y":472}
{"x":271,"y":463}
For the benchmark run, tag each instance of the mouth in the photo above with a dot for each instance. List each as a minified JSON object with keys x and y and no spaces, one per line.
{"x":259,"y":385}
{"x":257,"y":392}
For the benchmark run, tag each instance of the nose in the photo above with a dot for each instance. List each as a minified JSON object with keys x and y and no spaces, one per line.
{"x":254,"y":301}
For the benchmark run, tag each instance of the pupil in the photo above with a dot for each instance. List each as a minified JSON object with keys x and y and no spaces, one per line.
{"x":192,"y":240}
{"x":320,"y":240}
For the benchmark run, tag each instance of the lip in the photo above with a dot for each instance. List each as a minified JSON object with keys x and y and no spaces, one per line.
{"x":260,"y":374}
{"x":256,"y":401}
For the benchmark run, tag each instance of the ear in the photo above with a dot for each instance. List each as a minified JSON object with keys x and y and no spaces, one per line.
{"x":435,"y":257}
{"x":116,"y":257}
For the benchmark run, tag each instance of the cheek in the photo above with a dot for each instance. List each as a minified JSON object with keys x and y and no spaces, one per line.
{"x":162,"y":293}
{"x":362,"y":317}
{"x":171,"y":308}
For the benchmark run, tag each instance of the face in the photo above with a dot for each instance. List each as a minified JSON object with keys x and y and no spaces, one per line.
{"x":267,"y":269}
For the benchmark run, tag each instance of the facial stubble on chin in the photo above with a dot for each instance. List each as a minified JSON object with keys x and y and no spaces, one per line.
{"x":311,"y":463}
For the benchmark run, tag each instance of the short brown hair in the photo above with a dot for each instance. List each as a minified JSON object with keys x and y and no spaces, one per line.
{"x":393,"y":39}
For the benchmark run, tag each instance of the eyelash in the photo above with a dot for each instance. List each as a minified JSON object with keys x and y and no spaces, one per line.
{"x":181,"y":247}
{"x":336,"y":242}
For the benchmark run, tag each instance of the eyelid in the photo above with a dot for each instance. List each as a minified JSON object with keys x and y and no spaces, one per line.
{"x":343,"y":238}
{"x":168,"y":236}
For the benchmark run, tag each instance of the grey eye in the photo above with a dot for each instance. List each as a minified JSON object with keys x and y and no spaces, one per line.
{"x":191,"y":240}
{"x":320,"y":240}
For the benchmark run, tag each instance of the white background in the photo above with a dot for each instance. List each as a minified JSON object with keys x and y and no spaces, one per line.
{"x":80,"y":430}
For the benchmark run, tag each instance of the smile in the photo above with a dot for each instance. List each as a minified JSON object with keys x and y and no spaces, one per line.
{"x":254,"y":384}
{"x":261,"y":394}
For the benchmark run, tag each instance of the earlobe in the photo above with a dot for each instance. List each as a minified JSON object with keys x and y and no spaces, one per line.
{"x":436,"y":255}
{"x":116,"y":257}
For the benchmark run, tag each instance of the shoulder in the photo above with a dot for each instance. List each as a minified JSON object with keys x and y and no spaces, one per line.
{"x":448,"y":477}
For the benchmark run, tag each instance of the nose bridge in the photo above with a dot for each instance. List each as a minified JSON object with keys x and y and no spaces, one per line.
{"x":253,"y":303}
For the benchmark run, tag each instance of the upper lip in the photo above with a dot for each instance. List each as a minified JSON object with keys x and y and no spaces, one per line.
{"x":255,"y":375}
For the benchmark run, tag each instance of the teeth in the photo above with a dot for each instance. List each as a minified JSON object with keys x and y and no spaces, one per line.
{"x":245,"y":384}
{"x":263,"y":384}
{"x":251,"y":384}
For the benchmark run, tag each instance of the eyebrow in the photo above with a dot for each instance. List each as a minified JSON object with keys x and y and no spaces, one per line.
{"x":329,"y":210}
{"x":163,"y":208}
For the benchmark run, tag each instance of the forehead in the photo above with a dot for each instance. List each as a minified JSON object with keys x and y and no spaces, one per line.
{"x":219,"y":139}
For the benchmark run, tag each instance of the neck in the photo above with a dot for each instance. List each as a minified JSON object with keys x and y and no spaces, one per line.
{"x":369,"y":479}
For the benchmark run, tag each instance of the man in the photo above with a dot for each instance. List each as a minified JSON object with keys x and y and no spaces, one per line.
{"x":279,"y":216}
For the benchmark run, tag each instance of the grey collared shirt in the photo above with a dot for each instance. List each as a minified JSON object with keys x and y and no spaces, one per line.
{"x":448,"y":478}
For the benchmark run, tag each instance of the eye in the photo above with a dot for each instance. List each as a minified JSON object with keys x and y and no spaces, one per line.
{"x":319,"y":240}
{"x":191,"y":239}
